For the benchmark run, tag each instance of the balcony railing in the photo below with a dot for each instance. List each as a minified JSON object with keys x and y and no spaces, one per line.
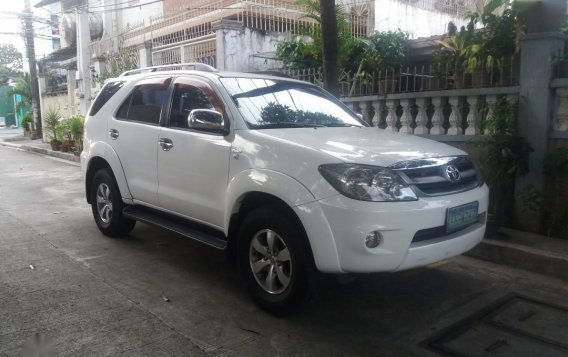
{"x":265,"y":15}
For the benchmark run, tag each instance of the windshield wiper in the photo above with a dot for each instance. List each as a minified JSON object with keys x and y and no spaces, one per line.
{"x":286,"y":125}
{"x":342,"y":125}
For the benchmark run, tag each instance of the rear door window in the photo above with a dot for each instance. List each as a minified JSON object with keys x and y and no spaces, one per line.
{"x":106,"y":93}
{"x":145,"y":102}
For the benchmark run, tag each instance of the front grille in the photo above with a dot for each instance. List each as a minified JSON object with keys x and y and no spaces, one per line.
{"x":437,"y":176}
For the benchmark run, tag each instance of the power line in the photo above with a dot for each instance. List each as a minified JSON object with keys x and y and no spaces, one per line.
{"x":122,"y":8}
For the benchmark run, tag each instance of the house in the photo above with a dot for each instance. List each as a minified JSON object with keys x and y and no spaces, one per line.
{"x":100,"y":38}
{"x":423,"y":18}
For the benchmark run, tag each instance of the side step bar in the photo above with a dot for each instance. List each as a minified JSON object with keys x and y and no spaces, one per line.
{"x":177,"y":225}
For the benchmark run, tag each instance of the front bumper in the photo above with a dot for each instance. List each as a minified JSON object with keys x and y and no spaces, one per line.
{"x":337,"y":227}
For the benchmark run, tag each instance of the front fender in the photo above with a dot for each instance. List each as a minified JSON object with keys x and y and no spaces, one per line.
{"x":105,"y":151}
{"x":271,"y":182}
{"x":302,"y":202}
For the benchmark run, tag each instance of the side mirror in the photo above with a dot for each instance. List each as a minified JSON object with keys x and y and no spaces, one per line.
{"x":207,"y":120}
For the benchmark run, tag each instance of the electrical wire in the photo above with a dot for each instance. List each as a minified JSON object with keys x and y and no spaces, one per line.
{"x":124,"y":8}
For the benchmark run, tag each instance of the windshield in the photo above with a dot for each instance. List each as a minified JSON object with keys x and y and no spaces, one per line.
{"x":273,"y":103}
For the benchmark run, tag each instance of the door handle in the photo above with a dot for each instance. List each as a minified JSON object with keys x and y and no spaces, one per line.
{"x":236,"y":153}
{"x":166,"y":144}
{"x":113,"y":133}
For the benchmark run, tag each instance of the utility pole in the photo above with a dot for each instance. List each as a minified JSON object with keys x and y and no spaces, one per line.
{"x":83,"y":56}
{"x":30,"y":51}
{"x":330,"y":51}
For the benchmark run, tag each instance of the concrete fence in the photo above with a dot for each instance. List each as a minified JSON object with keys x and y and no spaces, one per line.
{"x":449,"y":115}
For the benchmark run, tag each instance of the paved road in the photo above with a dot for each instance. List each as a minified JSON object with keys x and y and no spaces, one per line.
{"x":6,"y":133}
{"x":94,"y":296}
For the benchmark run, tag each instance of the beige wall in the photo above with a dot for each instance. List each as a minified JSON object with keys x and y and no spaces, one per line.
{"x":64,"y":103}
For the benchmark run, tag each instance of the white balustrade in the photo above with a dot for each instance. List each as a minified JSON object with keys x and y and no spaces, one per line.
{"x":438,"y":116}
{"x":455,"y":118}
{"x":472,"y":118}
{"x":406,"y":118}
{"x":426,"y":113}
{"x":490,"y":101}
{"x":391,"y":116}
{"x":377,"y":117}
{"x":421,"y":116}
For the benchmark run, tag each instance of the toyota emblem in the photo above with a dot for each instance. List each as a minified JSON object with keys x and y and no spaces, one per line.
{"x":452,"y":173}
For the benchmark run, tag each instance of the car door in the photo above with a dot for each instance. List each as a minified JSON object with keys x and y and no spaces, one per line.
{"x":193,"y":165}
{"x":134,"y":133}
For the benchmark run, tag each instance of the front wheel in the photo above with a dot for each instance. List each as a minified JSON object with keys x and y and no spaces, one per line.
{"x":107,"y":205}
{"x":275,"y":261}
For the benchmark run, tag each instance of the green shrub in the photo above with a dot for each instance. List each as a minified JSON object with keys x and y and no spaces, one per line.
{"x":51,"y":120}
{"x":503,"y":154}
{"x":28,"y":118}
{"x":76,"y":126}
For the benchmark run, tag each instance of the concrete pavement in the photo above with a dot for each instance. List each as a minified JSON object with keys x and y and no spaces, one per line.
{"x":7,"y":133}
{"x":61,"y":280}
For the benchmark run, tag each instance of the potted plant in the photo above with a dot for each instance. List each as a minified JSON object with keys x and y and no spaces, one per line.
{"x":64,"y":128}
{"x":76,"y":129}
{"x":51,"y":120}
{"x":27,"y":123}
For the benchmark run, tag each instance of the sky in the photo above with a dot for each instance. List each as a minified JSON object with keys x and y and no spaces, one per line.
{"x":10,"y":23}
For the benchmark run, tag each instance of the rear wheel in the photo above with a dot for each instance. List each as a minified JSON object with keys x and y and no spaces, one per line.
{"x":275,"y":261}
{"x":107,"y":205}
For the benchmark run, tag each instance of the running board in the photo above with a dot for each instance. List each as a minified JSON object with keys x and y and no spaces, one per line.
{"x":177,"y":225}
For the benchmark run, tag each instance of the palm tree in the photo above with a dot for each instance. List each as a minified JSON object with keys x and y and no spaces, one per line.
{"x":22,"y":87}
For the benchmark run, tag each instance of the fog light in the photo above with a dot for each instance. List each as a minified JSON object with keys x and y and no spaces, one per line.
{"x":373,"y":239}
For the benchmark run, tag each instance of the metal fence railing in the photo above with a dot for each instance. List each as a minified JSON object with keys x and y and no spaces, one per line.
{"x":202,"y":51}
{"x":419,"y":78}
{"x":265,"y":15}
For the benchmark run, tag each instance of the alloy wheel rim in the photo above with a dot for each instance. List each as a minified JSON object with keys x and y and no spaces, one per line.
{"x":270,"y":261}
{"x":104,"y":203}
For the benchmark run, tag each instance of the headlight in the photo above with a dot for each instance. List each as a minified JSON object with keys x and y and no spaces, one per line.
{"x":367,"y":183}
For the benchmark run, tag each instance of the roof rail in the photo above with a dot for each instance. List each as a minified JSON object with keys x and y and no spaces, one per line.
{"x":179,"y":66}
{"x":273,"y":73}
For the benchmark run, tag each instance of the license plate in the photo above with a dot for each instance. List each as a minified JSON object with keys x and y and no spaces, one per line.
{"x":461,"y":216}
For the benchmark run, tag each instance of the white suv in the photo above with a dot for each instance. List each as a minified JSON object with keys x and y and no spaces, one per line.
{"x":277,"y":172}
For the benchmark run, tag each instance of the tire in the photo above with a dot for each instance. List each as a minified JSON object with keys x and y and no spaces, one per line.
{"x":294,"y":277}
{"x":107,"y":205}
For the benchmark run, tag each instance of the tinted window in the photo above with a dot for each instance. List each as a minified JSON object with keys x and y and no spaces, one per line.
{"x":190,"y":95}
{"x":106,"y":93}
{"x":274,"y":103}
{"x":145,"y":102}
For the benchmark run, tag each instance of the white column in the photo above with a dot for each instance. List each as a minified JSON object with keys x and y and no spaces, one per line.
{"x":421,"y":116}
{"x":455,"y":118}
{"x":377,"y":117}
{"x":406,"y":118}
{"x":438,"y":116}
{"x":490,"y":101}
{"x":473,"y":116}
{"x":145,"y":55}
{"x":391,"y":117}
{"x":366,"y":110}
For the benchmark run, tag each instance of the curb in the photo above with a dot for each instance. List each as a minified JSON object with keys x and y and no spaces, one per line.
{"x":47,"y":152}
{"x":522,"y":257}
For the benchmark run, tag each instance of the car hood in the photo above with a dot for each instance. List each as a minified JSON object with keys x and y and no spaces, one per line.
{"x":363,"y":145}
